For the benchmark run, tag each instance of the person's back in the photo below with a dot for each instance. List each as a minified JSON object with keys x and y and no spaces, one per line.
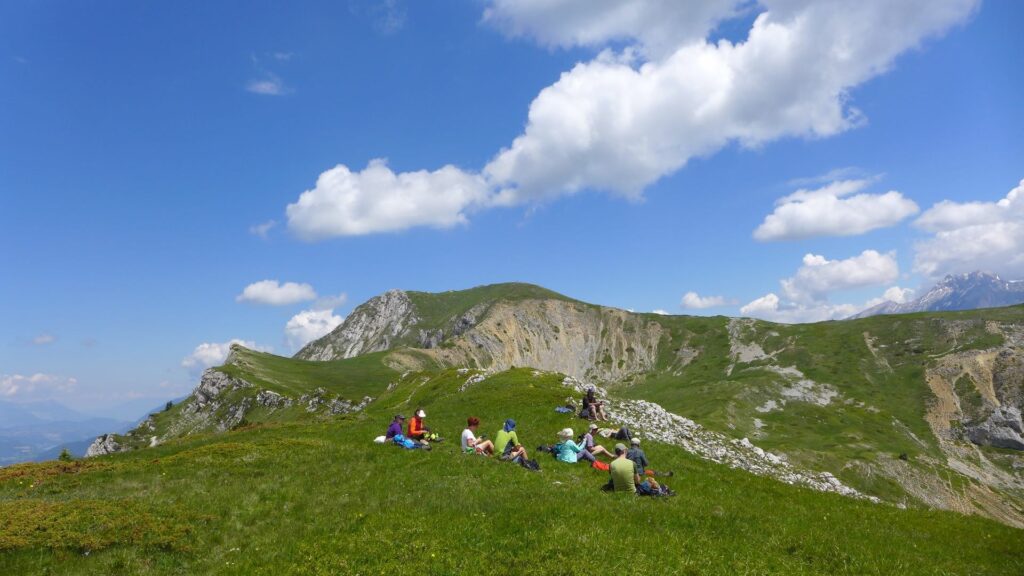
{"x":622,"y":471}
{"x":502,"y":438}
{"x":638,"y":457}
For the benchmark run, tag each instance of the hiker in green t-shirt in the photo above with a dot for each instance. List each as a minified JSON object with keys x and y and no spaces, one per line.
{"x":506,"y":442}
{"x":621,"y":471}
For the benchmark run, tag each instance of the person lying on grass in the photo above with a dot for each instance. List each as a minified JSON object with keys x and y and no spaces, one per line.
{"x":506,"y":442}
{"x":587,"y":440}
{"x":470,"y":443}
{"x":568,"y":451}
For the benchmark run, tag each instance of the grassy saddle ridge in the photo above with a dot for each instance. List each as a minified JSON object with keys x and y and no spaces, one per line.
{"x":319,"y":497}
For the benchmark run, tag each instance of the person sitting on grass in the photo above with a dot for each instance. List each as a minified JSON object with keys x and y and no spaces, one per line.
{"x":506,"y":442}
{"x":593,"y":407}
{"x":473,"y":445}
{"x":568,"y":451}
{"x":395,"y":429}
{"x":417,"y":430}
{"x":593,"y":447}
{"x":621,"y":472}
{"x":640,"y":460}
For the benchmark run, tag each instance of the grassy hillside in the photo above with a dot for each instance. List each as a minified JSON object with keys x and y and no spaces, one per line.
{"x":317,"y":497}
{"x":881,"y":396}
{"x":349,"y":380}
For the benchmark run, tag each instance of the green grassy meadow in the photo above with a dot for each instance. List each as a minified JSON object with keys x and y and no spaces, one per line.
{"x":309,"y":496}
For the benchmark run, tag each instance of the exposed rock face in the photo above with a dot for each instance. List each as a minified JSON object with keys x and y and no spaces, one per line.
{"x":105,"y":444}
{"x":371,"y":327}
{"x":1002,"y":429}
{"x":595,"y":343}
{"x":334,"y":405}
{"x":213,"y":384}
{"x":273,"y":400}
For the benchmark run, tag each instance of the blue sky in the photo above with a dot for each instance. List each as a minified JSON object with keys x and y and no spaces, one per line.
{"x":615,"y":152}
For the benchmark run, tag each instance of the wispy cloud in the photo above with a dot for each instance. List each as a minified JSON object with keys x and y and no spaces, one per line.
{"x":269,"y":85}
{"x":35,"y":386}
{"x":44,"y":339}
{"x":387,"y":16}
{"x":263,"y":229}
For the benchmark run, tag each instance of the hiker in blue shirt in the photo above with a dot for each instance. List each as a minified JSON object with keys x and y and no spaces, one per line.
{"x":568,"y":451}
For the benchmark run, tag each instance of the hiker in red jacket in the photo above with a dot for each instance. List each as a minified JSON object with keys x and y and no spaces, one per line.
{"x":417,"y":431}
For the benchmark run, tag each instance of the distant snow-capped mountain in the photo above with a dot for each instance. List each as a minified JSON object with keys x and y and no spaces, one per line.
{"x":957,"y":292}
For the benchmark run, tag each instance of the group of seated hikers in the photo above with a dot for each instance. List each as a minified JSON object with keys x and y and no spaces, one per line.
{"x":628,"y":468}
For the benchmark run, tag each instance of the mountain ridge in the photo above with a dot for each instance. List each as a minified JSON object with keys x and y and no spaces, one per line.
{"x":885,"y":404}
{"x":956,"y":292}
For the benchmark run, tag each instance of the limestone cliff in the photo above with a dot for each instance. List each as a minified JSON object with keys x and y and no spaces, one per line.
{"x":583,"y":341}
{"x":374,"y":326}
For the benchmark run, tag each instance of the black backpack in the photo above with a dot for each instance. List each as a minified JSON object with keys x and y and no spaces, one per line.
{"x":529,"y":464}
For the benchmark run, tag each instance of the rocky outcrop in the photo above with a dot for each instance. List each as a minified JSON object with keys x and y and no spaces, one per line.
{"x":589,"y":342}
{"x":1002,"y":429}
{"x":213,"y":384}
{"x":650,"y":420}
{"x":105,"y":444}
{"x":334,"y":405}
{"x":372,"y":327}
{"x":273,"y":400}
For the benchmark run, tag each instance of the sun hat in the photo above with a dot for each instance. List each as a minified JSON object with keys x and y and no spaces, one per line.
{"x":634,"y":440}
{"x":593,"y":426}
{"x":620,"y":447}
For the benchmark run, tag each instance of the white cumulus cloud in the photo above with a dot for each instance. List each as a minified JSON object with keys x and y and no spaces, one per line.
{"x":892,"y":294}
{"x":273,"y":293}
{"x":832,"y":211}
{"x":34,"y":386}
{"x":806,"y":294}
{"x":973,"y":236}
{"x":347,"y":203}
{"x":771,"y":307}
{"x":694,"y":301}
{"x":309,"y":325}
{"x":819,"y":276}
{"x":658,"y":25}
{"x":658,"y":95}
{"x":620,"y":122}
{"x":210,"y":354}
